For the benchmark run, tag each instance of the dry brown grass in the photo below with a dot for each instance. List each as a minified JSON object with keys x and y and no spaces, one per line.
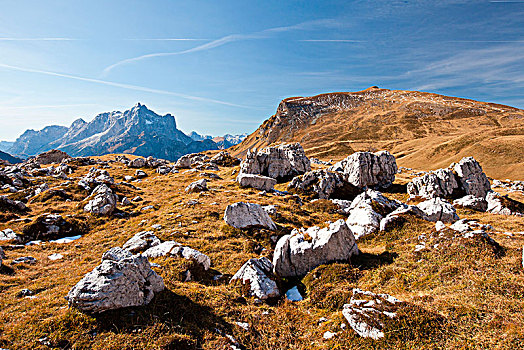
{"x":478,"y":297}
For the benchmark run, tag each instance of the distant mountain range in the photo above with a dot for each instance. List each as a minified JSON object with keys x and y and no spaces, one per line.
{"x":138,"y":131}
{"x":8,"y":158}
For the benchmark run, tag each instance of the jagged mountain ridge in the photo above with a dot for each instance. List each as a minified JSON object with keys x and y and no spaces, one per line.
{"x":5,"y":145}
{"x":423,"y":130}
{"x":223,"y":142}
{"x":138,"y":131}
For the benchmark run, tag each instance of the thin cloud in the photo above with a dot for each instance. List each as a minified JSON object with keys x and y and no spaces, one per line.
{"x":168,"y":39}
{"x":223,"y":41}
{"x":333,"y":41}
{"x":123,"y":86}
{"x":37,"y":39}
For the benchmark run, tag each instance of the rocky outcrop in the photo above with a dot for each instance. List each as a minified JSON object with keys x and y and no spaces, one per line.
{"x":440,"y":183}
{"x":121,"y":280}
{"x":263,"y":183}
{"x":197,"y":186}
{"x":52,"y":226}
{"x":189,"y":160}
{"x":49,"y":157}
{"x":223,"y":158}
{"x":279,"y":162}
{"x":471,"y":202}
{"x":258,"y":276}
{"x":248,"y":215}
{"x":498,"y":204}
{"x":301,"y":251}
{"x":366,"y":212}
{"x":171,"y":248}
{"x":472,"y":179}
{"x":141,"y":242}
{"x":437,"y":209}
{"x":103,"y":201}
{"x":324,"y":184}
{"x":366,"y":169}
{"x":367,"y":313}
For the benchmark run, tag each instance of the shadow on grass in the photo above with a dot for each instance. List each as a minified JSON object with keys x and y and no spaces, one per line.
{"x":367,"y":261}
{"x":6,"y":270}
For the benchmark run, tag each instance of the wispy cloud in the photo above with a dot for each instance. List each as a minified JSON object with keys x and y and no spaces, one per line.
{"x":120,"y":85}
{"x":225,"y":40}
{"x":333,"y":41}
{"x":167,"y":39}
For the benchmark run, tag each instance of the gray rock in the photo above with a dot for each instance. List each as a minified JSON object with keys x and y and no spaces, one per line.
{"x":397,"y":216}
{"x":437,"y":209}
{"x":368,"y":169}
{"x":471,"y":202}
{"x":498,"y":204}
{"x":257,"y":274}
{"x":367,"y":311}
{"x":279,"y":162}
{"x":440,"y":183}
{"x":121,"y":280}
{"x":125,"y":201}
{"x":141,"y":242}
{"x":197,"y":186}
{"x":248,"y":215}
{"x":140,"y":174}
{"x":24,"y":260}
{"x":301,"y":251}
{"x":223,"y":158}
{"x":171,"y":248}
{"x":324,"y":184}
{"x":473,"y":180}
{"x":137,"y":163}
{"x":8,"y":234}
{"x":263,"y":183}
{"x":102,"y":202}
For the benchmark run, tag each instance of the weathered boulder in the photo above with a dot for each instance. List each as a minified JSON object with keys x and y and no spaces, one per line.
{"x":498,"y":204}
{"x":197,"y":186}
{"x":257,"y":274}
{"x":8,"y":235}
{"x":263,"y":183}
{"x":366,"y":212}
{"x":471,"y":202}
{"x":223,"y":158}
{"x":398,"y":216}
{"x":248,"y":215}
{"x":301,"y":251}
{"x":171,"y":248}
{"x":368,"y":169}
{"x":368,"y":312}
{"x":140,"y":174}
{"x":53,"y":156}
{"x":94,"y":178}
{"x":141,"y":242}
{"x":137,"y":163}
{"x":438,"y":209}
{"x":439,"y":183}
{"x":188,"y":160}
{"x":324,"y":184}
{"x":279,"y":162}
{"x":121,"y":280}
{"x":103,"y":201}
{"x":472,"y":179}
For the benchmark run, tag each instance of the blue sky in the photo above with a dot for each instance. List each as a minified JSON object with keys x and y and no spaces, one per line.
{"x":223,"y":66}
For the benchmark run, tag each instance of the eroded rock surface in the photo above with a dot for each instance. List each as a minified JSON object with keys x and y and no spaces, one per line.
{"x":248,"y":215}
{"x":257,"y":274}
{"x":260,"y":182}
{"x":438,"y":209}
{"x":103,"y":201}
{"x":324,"y":184}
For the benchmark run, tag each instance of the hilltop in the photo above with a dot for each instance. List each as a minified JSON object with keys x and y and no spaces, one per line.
{"x":423,"y":130}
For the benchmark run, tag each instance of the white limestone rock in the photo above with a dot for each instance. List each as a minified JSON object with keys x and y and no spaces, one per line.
{"x":121,"y":280}
{"x":368,"y":169}
{"x":171,"y":248}
{"x":438,"y":209}
{"x":324,"y":184}
{"x":103,"y":201}
{"x":279,"y":162}
{"x":197,"y":186}
{"x":260,"y":182}
{"x":257,"y":273}
{"x":439,"y":183}
{"x":141,"y":242}
{"x":301,"y":251}
{"x":471,"y":202}
{"x":473,"y":180}
{"x":248,"y":215}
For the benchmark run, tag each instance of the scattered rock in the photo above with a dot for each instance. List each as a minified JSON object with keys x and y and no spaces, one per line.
{"x":125,"y":201}
{"x":437,"y":209}
{"x":141,"y":242}
{"x":55,"y":256}
{"x":8,"y":234}
{"x":197,"y":186}
{"x":257,"y":273}
{"x":171,"y":248}
{"x":24,"y":260}
{"x":121,"y":280}
{"x":52,"y":226}
{"x":140,"y":174}
{"x":471,"y":202}
{"x":53,"y":156}
{"x":2,"y":255}
{"x":223,"y":158}
{"x":301,"y":251}
{"x":248,"y":215}
{"x":473,"y":180}
{"x":368,"y":169}
{"x":324,"y":184}
{"x":137,"y":163}
{"x":259,"y":182}
{"x":498,"y":204}
{"x":294,"y":295}
{"x":439,"y":183}
{"x":103,"y":201}
{"x":279,"y":162}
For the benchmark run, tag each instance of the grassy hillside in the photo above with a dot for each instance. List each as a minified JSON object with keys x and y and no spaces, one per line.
{"x":473,"y":298}
{"x":422,"y":130}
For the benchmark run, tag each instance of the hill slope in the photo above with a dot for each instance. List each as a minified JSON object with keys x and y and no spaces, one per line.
{"x":9,"y":158}
{"x":422,"y":130}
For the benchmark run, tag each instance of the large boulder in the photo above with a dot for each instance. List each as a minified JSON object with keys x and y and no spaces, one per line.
{"x":137,"y":163}
{"x":257,"y":274}
{"x":368,"y":313}
{"x":366,"y":212}
{"x":301,"y":251}
{"x":197,"y":186}
{"x":498,"y":204}
{"x":248,"y":215}
{"x":279,"y":162}
{"x":324,"y":184}
{"x":171,"y":248}
{"x":439,"y":183}
{"x":438,"y":209}
{"x":260,"y":182}
{"x":471,"y":202}
{"x":223,"y":158}
{"x":189,"y":160}
{"x":103,"y":201}
{"x":141,"y":242}
{"x":366,"y":169}
{"x":53,"y":156}
{"x":472,"y":179}
{"x":121,"y":280}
